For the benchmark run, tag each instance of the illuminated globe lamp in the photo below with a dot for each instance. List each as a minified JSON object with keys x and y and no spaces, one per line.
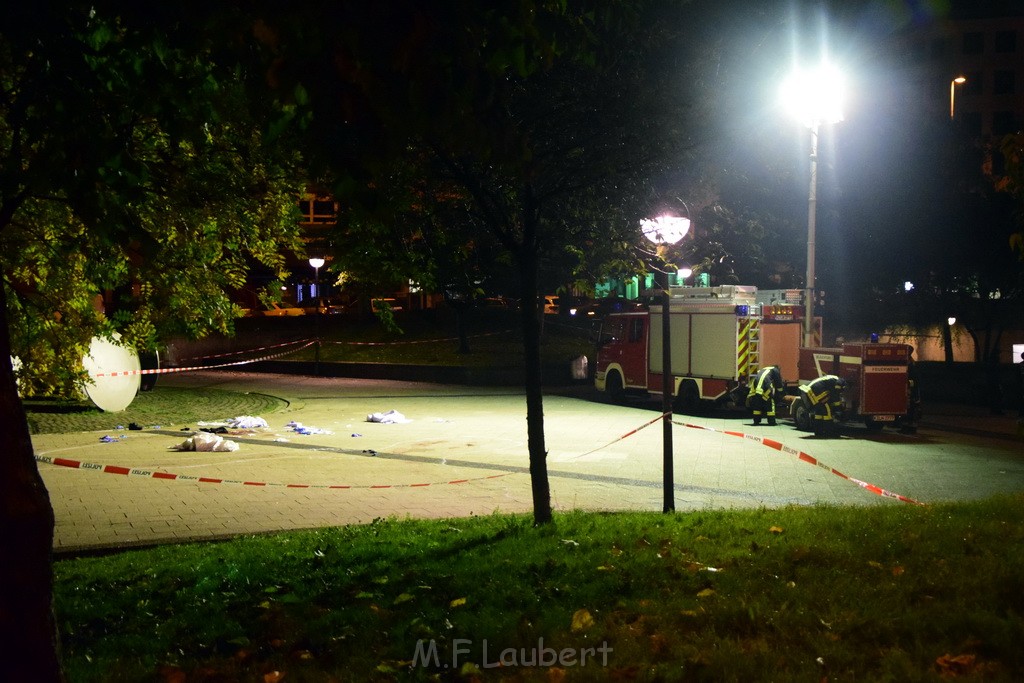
{"x":663,"y":232}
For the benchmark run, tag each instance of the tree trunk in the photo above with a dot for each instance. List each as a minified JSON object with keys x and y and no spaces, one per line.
{"x":28,"y":636}
{"x":534,"y":386}
{"x":947,"y":341}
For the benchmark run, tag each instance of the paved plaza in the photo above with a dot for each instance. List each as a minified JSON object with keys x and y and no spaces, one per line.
{"x":463,"y":452}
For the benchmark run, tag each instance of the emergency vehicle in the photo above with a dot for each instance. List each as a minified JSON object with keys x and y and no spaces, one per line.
{"x":877,"y":378}
{"x":720,"y":337}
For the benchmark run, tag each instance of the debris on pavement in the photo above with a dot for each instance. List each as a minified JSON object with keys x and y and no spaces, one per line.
{"x":207,"y":442}
{"x":390,"y":417}
{"x":300,"y":428}
{"x":241,"y":422}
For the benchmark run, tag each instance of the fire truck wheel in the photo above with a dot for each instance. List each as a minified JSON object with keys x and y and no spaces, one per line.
{"x":873,"y":425}
{"x":801,"y":416}
{"x":687,"y":400}
{"x":613,"y":385}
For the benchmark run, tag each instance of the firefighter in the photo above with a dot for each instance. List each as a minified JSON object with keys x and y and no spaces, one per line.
{"x":765,"y":386}
{"x":821,"y":397}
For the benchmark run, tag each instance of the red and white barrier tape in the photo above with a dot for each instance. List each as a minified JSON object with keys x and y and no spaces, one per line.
{"x":151,"y":474}
{"x":162,"y":371}
{"x":624,"y":436}
{"x":415,"y":341}
{"x":255,"y":350}
{"x":811,"y":460}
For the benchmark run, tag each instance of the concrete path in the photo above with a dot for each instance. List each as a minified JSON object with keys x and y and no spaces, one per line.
{"x":464,"y":453}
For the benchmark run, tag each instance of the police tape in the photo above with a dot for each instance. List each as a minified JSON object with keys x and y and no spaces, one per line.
{"x":624,"y":436}
{"x":416,"y":341}
{"x":254,"y":350}
{"x":804,"y":457}
{"x":164,"y":371}
{"x":169,"y":476}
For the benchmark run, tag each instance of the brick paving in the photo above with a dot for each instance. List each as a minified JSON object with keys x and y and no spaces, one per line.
{"x":477,"y":437}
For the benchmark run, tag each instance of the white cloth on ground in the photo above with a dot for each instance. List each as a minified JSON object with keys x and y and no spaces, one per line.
{"x":205,"y":441}
{"x":390,"y":417}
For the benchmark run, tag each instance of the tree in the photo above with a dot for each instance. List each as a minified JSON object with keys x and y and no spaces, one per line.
{"x":114,"y":128}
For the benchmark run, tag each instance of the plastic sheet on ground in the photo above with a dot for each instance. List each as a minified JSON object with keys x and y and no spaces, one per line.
{"x":241,"y":422}
{"x":204,"y":441}
{"x":390,"y":417}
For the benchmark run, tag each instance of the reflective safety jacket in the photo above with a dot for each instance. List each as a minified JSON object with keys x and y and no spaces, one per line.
{"x":827,"y":388}
{"x":767,"y":382}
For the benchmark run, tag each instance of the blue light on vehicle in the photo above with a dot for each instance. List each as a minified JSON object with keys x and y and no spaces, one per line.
{"x":743,"y":310}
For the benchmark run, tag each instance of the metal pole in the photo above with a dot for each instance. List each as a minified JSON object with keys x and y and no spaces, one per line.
{"x":667,"y":387}
{"x":316,"y":323}
{"x":812,"y":207}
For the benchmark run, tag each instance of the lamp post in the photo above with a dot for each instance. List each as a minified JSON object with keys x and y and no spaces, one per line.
{"x":952,"y":94}
{"x":317,"y":264}
{"x":813,"y":97}
{"x":663,"y":232}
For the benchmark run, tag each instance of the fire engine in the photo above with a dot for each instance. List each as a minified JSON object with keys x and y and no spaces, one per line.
{"x":877,"y":377}
{"x":720,"y":337}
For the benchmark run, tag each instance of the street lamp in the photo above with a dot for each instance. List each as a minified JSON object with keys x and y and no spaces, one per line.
{"x":813,"y":97}
{"x":317,"y":263}
{"x":663,"y":232}
{"x":952,"y":93}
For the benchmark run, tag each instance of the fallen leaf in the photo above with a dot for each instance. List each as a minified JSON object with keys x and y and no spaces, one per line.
{"x":457,"y":602}
{"x":898,"y":570}
{"x":556,"y":674}
{"x":775,"y":530}
{"x":707,"y":592}
{"x":404,"y":597}
{"x":581,"y":620}
{"x":273,"y":676}
{"x":955,"y":665}
{"x":606,"y":568}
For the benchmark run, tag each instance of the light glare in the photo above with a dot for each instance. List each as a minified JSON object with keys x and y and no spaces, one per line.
{"x":665,"y":229}
{"x":814,"y":96}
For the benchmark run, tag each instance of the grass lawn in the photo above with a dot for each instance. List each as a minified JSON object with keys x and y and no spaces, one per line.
{"x":892,"y":592}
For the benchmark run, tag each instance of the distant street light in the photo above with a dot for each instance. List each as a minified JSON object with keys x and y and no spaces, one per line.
{"x":813,"y":97}
{"x":317,"y":264}
{"x":952,"y":93}
{"x":908,"y":286}
{"x":663,"y":232}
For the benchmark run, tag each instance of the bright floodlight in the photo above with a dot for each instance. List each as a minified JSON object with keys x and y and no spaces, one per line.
{"x":908,"y":286}
{"x":814,"y":96}
{"x":665,"y":229}
{"x":317,"y":263}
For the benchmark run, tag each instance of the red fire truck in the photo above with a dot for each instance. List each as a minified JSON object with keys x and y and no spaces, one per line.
{"x":877,"y":377}
{"x":720,"y":337}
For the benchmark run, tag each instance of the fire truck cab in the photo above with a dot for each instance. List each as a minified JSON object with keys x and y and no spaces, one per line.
{"x":877,"y":377}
